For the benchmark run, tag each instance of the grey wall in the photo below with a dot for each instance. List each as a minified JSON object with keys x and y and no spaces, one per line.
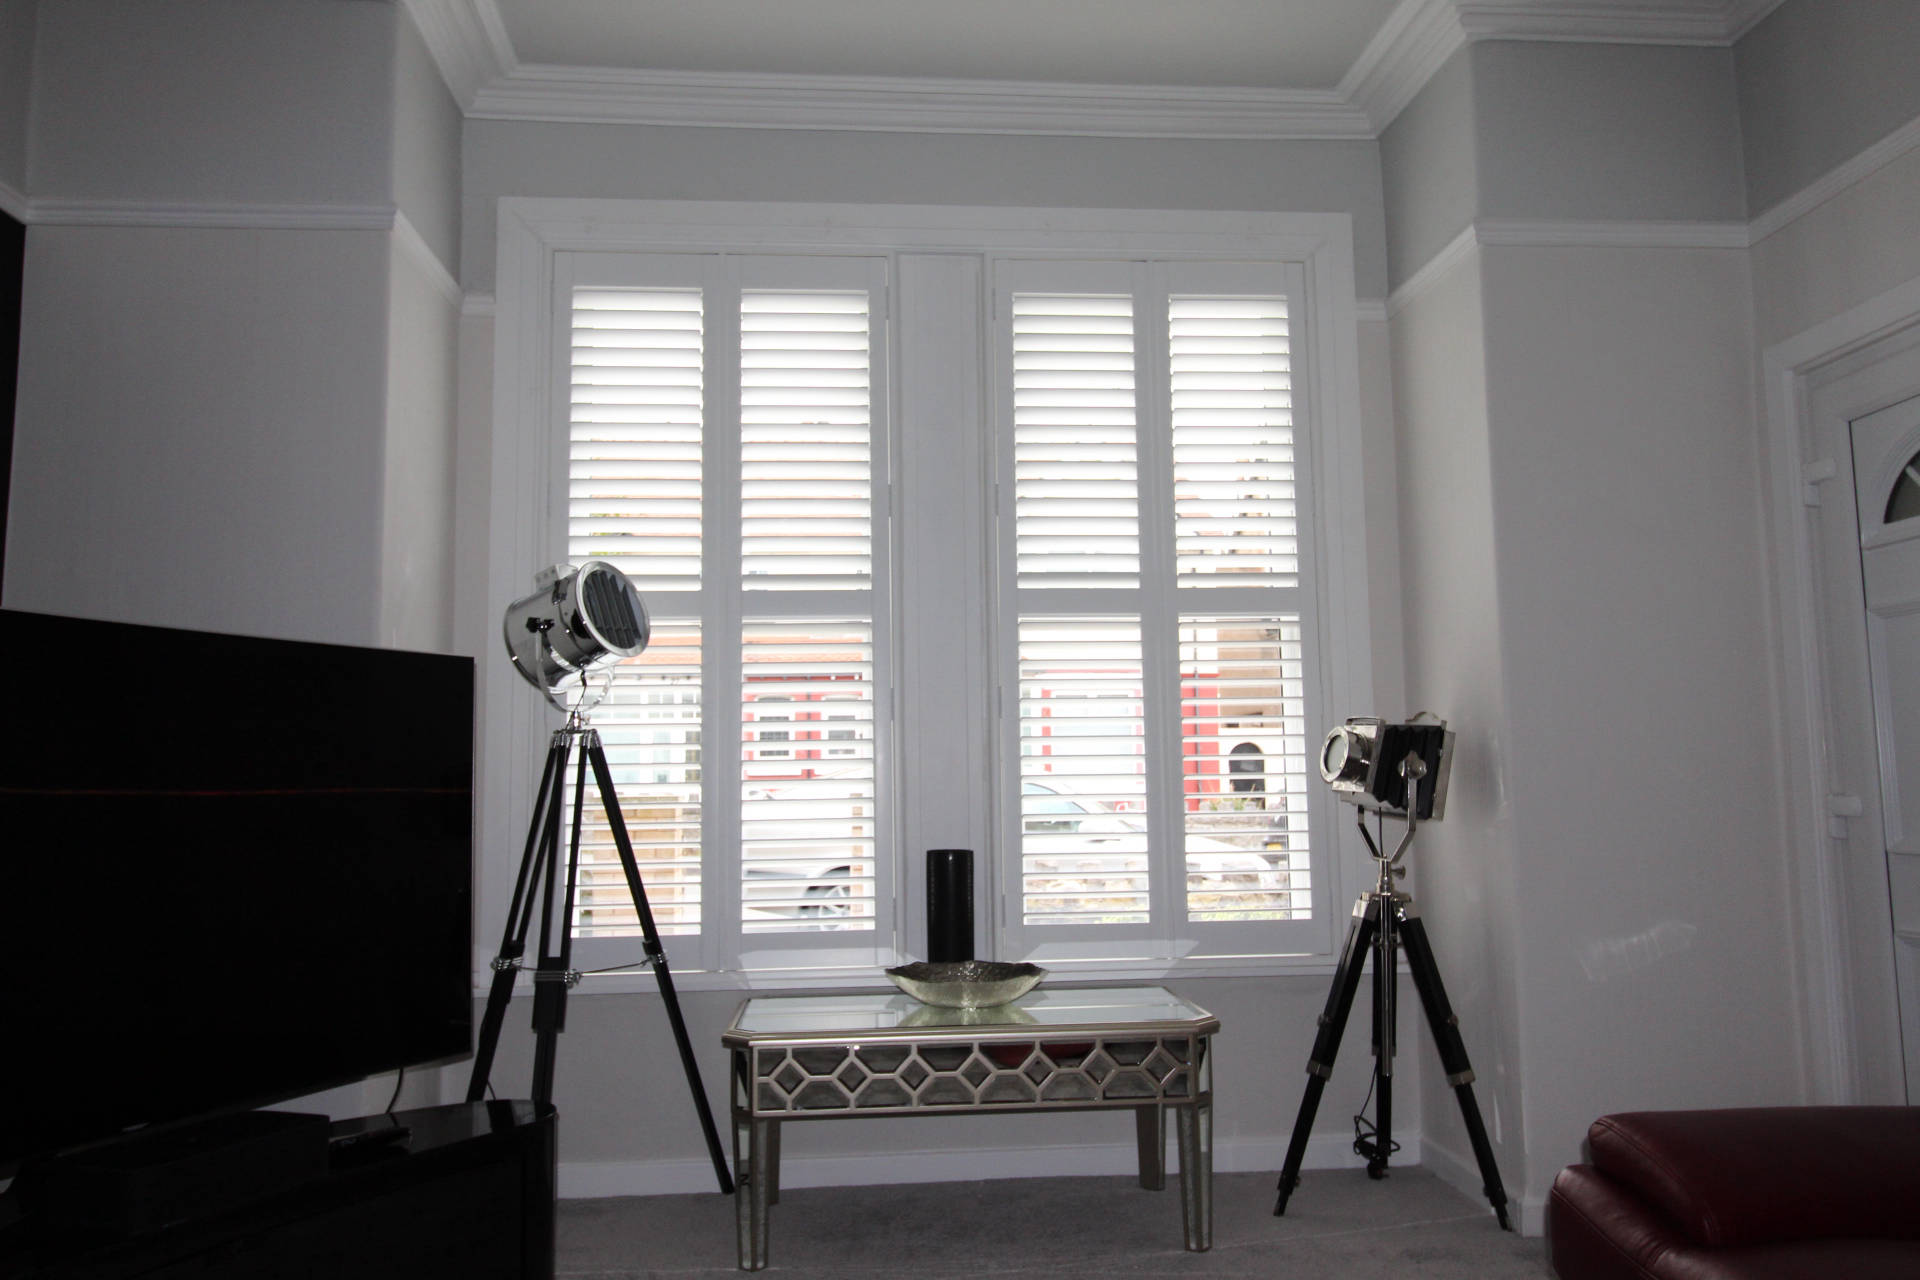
{"x":17,"y":22}
{"x":426,"y":146}
{"x":505,"y":158}
{"x":1580,"y":516}
{"x":1463,"y":873}
{"x":1429,"y":161}
{"x":1819,"y":82}
{"x":1606,"y":132}
{"x":198,"y":440}
{"x":215,"y":101}
{"x":1650,"y":884}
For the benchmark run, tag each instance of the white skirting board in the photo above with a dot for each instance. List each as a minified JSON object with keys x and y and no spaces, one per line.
{"x":583,"y":1180}
{"x":1529,"y":1212}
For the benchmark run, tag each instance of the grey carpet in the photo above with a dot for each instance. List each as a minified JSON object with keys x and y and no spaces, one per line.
{"x":1339,"y":1224}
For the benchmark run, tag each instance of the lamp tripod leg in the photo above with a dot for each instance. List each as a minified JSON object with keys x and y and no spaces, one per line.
{"x":1326,"y":1043}
{"x":657,"y":956}
{"x":1378,"y":1149}
{"x":1453,"y":1054}
{"x":554,"y":976}
{"x":513,"y":942}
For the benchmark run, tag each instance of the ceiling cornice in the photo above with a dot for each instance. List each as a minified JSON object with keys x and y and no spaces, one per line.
{"x":468,"y":41}
{"x":915,"y":105}
{"x":1684,"y":22}
{"x":1414,"y":42}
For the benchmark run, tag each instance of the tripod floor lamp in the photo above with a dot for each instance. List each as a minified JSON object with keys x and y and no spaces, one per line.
{"x":579,"y":621}
{"x":1398,"y":769}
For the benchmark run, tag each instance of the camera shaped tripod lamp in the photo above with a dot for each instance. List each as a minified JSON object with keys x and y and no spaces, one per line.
{"x":564,"y":637}
{"x":1401,"y":771}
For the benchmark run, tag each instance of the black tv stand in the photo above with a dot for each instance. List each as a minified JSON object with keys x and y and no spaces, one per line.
{"x":462,"y":1191}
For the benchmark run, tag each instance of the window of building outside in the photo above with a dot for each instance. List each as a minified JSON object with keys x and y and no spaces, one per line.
{"x":722,"y":428}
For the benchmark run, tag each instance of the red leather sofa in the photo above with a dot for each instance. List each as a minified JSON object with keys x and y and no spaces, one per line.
{"x":1825,"y":1193}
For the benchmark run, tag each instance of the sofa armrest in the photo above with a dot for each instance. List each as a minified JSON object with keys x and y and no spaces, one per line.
{"x":1759,"y":1175}
{"x":1598,"y":1230}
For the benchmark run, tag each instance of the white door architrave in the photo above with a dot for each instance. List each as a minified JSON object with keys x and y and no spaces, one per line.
{"x":1817,"y":384}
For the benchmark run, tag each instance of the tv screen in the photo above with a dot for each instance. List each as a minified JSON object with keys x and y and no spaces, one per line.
{"x":236,"y":871}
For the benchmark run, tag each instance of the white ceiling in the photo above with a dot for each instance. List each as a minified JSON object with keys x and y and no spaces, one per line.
{"x":1176,"y":68}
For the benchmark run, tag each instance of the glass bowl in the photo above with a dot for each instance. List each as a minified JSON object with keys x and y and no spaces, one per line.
{"x":966,"y":984}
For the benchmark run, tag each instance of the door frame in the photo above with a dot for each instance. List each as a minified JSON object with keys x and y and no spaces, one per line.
{"x":1835,"y":1019}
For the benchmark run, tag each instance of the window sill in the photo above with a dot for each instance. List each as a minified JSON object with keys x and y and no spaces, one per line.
{"x":1062,"y":973}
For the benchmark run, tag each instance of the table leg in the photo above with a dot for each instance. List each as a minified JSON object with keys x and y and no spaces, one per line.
{"x":1193,"y":1124}
{"x":1150,"y":1131}
{"x":750,"y":1179}
{"x":773,"y":1162}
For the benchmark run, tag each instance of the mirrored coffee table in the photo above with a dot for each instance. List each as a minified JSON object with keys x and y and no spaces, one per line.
{"x":827,"y":1057}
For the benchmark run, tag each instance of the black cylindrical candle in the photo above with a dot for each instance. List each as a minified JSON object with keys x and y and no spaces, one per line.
{"x":949,"y":904}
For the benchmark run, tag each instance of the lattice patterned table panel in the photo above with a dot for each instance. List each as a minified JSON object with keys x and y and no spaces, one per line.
{"x":955,"y":1075}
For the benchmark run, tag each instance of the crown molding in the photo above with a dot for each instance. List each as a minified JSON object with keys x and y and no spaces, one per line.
{"x":470,"y":45}
{"x":915,"y":105}
{"x":1412,"y":44}
{"x":1699,"y":22}
{"x":467,"y":41}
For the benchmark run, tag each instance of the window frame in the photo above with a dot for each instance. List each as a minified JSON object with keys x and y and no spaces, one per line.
{"x":954,"y":803}
{"x":1156,"y":604}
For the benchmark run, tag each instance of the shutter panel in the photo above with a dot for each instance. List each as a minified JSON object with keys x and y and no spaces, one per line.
{"x":805,"y":440}
{"x":650,"y":727}
{"x":634,"y":472}
{"x":1233,"y":447}
{"x":1076,"y":466}
{"x":1244,"y":767}
{"x":1083,"y":810}
{"x":807,"y":819}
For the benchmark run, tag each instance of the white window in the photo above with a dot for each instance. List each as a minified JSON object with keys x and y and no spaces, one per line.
{"x":725,"y":419}
{"x":1120,"y":633}
{"x":1155,"y":609}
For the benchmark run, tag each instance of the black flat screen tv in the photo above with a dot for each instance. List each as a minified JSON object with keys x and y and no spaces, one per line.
{"x":233,"y":871}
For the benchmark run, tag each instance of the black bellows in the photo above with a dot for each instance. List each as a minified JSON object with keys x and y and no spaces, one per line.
{"x":949,"y":904}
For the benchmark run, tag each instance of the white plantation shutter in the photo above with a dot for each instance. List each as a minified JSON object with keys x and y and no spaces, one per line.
{"x":805,"y":440}
{"x":1075,"y":461}
{"x":722,"y":446}
{"x":649,"y":726}
{"x":634,"y":461}
{"x":1232,"y":426}
{"x":1082,"y":768}
{"x":1244,"y":769}
{"x":808,"y":823}
{"x":1151,"y":569}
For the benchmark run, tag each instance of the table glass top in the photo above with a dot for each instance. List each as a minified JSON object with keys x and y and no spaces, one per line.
{"x":897,"y":1011}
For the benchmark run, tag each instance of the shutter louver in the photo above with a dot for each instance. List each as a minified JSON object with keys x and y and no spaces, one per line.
{"x":634,"y":473}
{"x":649,"y":725}
{"x":1233,"y":446}
{"x":807,"y":816}
{"x":805,"y":441}
{"x":1076,"y":465}
{"x":1244,"y":766}
{"x":1083,"y":812}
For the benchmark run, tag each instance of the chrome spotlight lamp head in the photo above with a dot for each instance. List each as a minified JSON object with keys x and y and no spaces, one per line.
{"x":581,"y":620}
{"x":1396,"y":769}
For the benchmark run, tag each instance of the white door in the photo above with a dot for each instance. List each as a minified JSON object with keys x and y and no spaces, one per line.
{"x":1886,"y":476}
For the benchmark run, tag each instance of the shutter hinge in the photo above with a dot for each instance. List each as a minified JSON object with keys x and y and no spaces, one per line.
{"x":1812,"y":475}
